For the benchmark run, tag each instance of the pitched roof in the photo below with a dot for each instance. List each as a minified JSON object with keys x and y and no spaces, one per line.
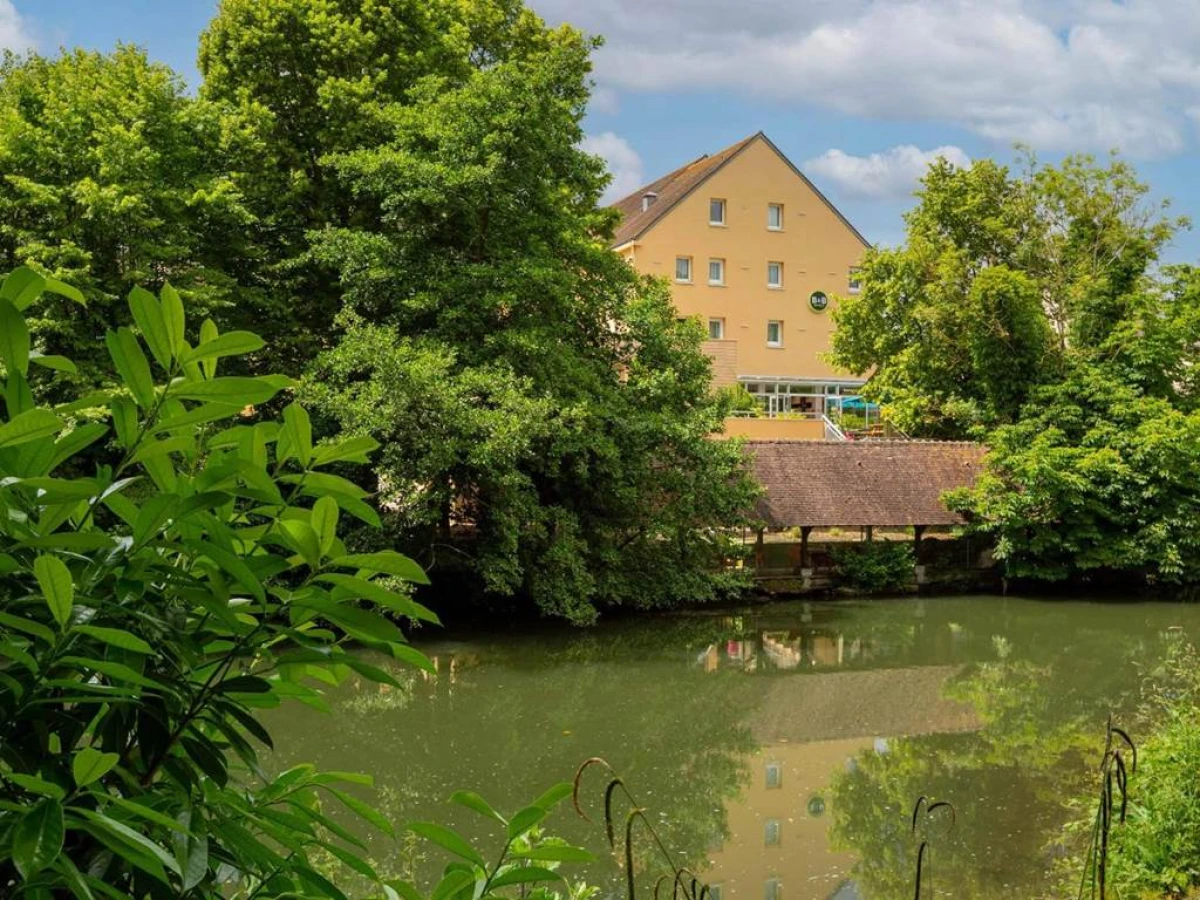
{"x":675,"y":186}
{"x":851,"y":484}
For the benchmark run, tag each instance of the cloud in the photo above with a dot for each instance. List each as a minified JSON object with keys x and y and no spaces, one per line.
{"x":14,"y":30}
{"x":605,"y":101}
{"x":623,"y":162}
{"x":1057,"y":74}
{"x":891,"y":175}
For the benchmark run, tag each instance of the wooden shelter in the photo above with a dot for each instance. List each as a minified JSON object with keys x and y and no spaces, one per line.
{"x":861,"y":484}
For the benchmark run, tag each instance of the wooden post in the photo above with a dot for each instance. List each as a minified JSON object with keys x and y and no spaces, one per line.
{"x":805,"y":531}
{"x":758,"y":549}
{"x":918,"y":533}
{"x":870,"y":533}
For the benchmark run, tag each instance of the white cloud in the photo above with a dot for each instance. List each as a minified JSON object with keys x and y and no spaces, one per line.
{"x":14,"y":30}
{"x":891,"y":175}
{"x":1058,"y":74}
{"x":605,"y":101}
{"x":623,"y":162}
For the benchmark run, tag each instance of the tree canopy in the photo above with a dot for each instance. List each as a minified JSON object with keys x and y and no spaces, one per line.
{"x":114,"y":177}
{"x":1029,"y":310}
{"x":393,"y":193}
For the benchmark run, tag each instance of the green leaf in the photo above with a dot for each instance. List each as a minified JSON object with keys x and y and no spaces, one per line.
{"x":354,"y":449}
{"x":362,"y":589}
{"x":31,"y":425}
{"x":55,"y":362}
{"x":208,"y":332}
{"x":363,"y":811}
{"x":351,"y":860}
{"x":36,"y":785}
{"x":325,"y":522}
{"x":524,"y":875}
{"x":174,"y":319}
{"x":234,"y":391}
{"x":554,"y":796}
{"x":131,"y":365}
{"x":244,"y":684}
{"x":232,"y":343}
{"x":116,"y":638}
{"x":54,"y":578}
{"x":524,"y":820}
{"x":556,"y":853}
{"x":113,"y":671}
{"x":75,"y":441}
{"x":448,"y":839}
{"x":301,"y":537}
{"x":389,"y":562}
{"x":295,"y":438}
{"x":14,"y":339}
{"x":471,"y":800}
{"x":149,"y":318}
{"x":358,"y":623}
{"x":91,"y":765}
{"x":120,"y":833}
{"x":452,"y":883}
{"x":73,"y":877}
{"x":27,"y":626}
{"x":37,"y":838}
{"x":231,"y":564}
{"x":22,"y":287}
{"x":62,"y":289}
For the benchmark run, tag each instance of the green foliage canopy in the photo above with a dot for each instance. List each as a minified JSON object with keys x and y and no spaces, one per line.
{"x":1028,"y":310}
{"x":113,"y":177}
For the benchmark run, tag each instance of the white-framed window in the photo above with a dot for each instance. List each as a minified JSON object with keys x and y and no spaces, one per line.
{"x":716,"y":271}
{"x":774,"y":769}
{"x":716,"y":329}
{"x":772,"y":831}
{"x":716,"y":211}
{"x":772,"y":889}
{"x":683,"y":268}
{"x":854,"y":283}
{"x":715,"y":891}
{"x":775,"y":274}
{"x":774,"y":339}
{"x":775,"y":217}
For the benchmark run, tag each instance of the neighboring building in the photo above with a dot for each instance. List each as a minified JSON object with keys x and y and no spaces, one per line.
{"x":753,"y":249}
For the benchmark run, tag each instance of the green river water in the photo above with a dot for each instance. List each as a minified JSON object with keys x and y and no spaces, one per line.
{"x":779,"y":749}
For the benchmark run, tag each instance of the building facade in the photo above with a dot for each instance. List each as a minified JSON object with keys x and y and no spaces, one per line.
{"x":755,"y":251}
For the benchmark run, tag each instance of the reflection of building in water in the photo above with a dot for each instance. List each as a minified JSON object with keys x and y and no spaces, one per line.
{"x":809,"y":728}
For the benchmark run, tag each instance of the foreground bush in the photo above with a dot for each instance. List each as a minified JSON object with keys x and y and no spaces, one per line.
{"x":1156,"y":853}
{"x":150,"y":605}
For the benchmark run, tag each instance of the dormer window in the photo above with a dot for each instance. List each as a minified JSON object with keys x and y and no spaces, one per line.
{"x":648,"y":199}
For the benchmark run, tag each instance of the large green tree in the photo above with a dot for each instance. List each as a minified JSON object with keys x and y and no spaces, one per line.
{"x":563,"y":412}
{"x":1028,"y":310}
{"x":111,"y":177}
{"x":1006,"y":281}
{"x":314,"y":78}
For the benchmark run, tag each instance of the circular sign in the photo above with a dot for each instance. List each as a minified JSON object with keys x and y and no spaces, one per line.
{"x":818,"y":301}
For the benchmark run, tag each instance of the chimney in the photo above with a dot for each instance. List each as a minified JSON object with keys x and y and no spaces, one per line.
{"x":648,"y":199}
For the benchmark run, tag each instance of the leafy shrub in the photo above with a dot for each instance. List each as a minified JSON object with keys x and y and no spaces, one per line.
{"x":874,"y":566}
{"x":1156,"y":853}
{"x":150,"y":608}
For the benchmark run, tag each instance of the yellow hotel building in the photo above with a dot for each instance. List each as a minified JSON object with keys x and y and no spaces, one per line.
{"x":760,"y":255}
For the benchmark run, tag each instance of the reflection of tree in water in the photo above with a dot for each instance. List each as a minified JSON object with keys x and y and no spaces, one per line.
{"x":1040,"y":736}
{"x":511,"y":718}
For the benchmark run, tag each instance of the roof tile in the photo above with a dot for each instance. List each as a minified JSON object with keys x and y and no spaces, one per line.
{"x":857,"y":483}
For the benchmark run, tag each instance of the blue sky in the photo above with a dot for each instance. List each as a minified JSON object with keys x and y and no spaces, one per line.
{"x":859,"y":93}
